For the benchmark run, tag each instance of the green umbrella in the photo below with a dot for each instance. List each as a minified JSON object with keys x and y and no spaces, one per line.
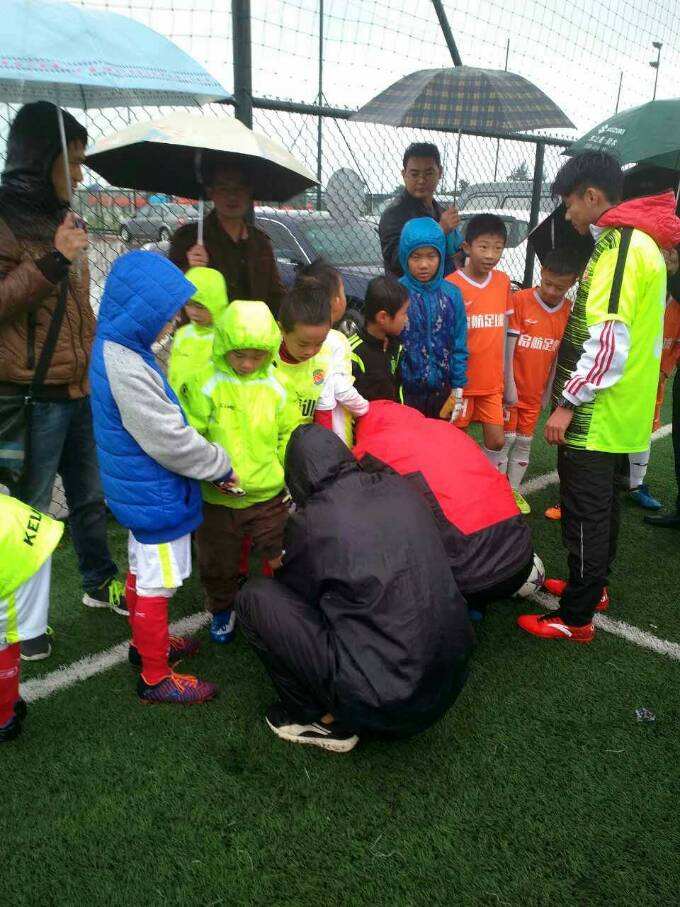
{"x":649,"y":133}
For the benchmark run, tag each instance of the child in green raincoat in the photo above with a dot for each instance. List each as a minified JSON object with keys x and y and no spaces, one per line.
{"x":27,"y":540}
{"x":237,"y":402}
{"x":192,"y":344}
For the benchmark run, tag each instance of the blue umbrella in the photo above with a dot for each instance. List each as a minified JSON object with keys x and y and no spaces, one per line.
{"x":82,"y":58}
{"x":76,"y":57}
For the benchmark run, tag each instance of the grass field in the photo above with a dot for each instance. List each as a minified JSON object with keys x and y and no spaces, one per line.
{"x":539,"y":787}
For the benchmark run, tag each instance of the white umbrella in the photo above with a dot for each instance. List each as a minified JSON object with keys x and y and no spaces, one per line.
{"x":170,"y":155}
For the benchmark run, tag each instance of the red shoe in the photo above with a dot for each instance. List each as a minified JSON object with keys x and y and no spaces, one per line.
{"x":182,"y":689}
{"x":180,"y":647}
{"x":551,"y":626}
{"x":556,"y":587}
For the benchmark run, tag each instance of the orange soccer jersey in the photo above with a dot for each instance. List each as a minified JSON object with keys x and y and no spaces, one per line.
{"x":671,"y":337}
{"x":539,"y":330}
{"x":487,"y":305}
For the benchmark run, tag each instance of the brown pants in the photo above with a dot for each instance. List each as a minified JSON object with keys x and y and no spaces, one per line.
{"x":220,"y":539}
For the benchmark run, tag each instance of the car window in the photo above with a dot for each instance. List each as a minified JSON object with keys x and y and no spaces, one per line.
{"x":286,"y":247}
{"x":344,"y":244}
{"x":481,"y":201}
{"x":517,"y":232}
{"x":145,"y":211}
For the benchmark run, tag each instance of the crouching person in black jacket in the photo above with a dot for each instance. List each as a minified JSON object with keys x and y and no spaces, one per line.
{"x":363,"y":628}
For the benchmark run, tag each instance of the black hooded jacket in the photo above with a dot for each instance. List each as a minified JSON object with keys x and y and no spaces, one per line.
{"x":30,"y":273}
{"x":365,"y":550}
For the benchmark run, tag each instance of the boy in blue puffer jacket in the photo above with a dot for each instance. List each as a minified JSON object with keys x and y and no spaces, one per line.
{"x":150,"y":461}
{"x":434,"y":364}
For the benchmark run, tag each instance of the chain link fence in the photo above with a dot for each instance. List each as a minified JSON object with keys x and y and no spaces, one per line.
{"x":312,"y":62}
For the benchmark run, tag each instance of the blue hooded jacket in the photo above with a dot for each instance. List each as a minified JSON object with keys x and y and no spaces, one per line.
{"x":144,"y":291}
{"x":435,"y":341}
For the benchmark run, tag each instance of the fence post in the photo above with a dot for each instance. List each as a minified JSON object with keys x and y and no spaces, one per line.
{"x":319,"y":125}
{"x":446,"y":31}
{"x":535,"y":211}
{"x":243,"y":69}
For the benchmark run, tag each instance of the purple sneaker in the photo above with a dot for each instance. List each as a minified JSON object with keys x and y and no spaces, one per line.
{"x":182,"y":689}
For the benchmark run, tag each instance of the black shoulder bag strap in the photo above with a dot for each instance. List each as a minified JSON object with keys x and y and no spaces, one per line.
{"x":50,"y":342}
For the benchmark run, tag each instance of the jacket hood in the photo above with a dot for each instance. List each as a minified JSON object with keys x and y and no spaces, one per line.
{"x":246,"y":325}
{"x":211,"y":290}
{"x":33,"y":144}
{"x":419,"y":232}
{"x":143,"y":292}
{"x":315,"y":458}
{"x":653,"y":214}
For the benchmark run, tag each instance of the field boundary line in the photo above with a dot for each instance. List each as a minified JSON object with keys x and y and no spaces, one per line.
{"x":41,"y":687}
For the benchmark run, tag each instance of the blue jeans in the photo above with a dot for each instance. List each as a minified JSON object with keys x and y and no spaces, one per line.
{"x":62,"y":441}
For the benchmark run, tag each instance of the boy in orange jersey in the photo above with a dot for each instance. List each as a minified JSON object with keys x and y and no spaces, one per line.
{"x":488,"y":303}
{"x":534,"y":334}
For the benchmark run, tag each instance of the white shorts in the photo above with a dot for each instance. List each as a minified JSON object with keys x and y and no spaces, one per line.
{"x":161,"y":568}
{"x":23,"y":614}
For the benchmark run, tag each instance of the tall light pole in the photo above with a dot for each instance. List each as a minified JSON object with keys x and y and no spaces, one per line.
{"x":655,"y":64}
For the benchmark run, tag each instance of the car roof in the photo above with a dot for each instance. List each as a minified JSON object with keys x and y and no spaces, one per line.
{"x":503,"y":213}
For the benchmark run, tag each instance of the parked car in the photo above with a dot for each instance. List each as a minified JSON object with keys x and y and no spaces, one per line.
{"x":156,"y":222}
{"x":352,"y":247}
{"x":510,"y":195}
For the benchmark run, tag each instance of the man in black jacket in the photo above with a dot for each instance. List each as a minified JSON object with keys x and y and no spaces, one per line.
{"x":421,"y":174}
{"x":363,"y":627}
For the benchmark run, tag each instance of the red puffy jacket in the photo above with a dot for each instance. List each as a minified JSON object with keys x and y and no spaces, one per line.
{"x":486,"y":539}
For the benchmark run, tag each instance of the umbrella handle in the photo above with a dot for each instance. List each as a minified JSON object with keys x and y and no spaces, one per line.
{"x":64,"y":148}
{"x":201,"y":206}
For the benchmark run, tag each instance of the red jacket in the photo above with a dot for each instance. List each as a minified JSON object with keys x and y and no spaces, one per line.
{"x":653,"y":214}
{"x":486,"y":539}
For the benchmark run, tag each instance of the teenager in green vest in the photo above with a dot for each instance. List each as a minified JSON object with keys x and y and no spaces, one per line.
{"x":27,"y":540}
{"x":607,"y":374}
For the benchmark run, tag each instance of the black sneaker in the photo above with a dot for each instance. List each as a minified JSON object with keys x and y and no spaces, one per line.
{"x":110,"y":594}
{"x":20,"y":709}
{"x":37,"y":648}
{"x":333,"y":737}
{"x":10,"y":730}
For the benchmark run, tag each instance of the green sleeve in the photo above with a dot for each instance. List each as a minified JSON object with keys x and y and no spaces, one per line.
{"x":197,"y":406}
{"x":289,"y":419}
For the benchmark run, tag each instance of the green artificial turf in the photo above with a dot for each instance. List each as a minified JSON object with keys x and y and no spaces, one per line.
{"x":539,"y":787}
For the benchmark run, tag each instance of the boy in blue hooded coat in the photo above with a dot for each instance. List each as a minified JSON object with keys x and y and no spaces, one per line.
{"x":150,"y":462}
{"x":434,"y":364}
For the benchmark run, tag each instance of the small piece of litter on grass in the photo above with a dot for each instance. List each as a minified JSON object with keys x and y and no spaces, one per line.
{"x":654,"y":626}
{"x":645,"y":715}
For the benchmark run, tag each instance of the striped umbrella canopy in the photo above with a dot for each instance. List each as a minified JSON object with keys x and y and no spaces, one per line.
{"x":465,"y":99}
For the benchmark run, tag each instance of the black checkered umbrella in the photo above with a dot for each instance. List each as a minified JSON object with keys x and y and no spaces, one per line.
{"x":465,"y":99}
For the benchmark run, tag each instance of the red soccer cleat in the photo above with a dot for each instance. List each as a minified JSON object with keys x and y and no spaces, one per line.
{"x":551,"y":626}
{"x":556,"y":587}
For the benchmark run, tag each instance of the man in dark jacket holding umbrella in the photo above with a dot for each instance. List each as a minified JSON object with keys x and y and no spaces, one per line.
{"x":43,"y":254}
{"x":363,"y":628}
{"x":421,"y":174}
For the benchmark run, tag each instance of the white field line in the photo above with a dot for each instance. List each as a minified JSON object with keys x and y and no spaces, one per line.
{"x":62,"y":678}
{"x":551,"y":478}
{"x":65,"y":677}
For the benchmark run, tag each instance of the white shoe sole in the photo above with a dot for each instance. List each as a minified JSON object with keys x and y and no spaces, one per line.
{"x":95,"y":603}
{"x":293,"y":736}
{"x":40,"y":656}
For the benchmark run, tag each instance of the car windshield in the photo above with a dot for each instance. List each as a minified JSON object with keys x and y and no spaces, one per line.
{"x":344,"y":244}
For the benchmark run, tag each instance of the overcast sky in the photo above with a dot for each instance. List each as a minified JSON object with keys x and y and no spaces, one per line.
{"x":575,"y":51}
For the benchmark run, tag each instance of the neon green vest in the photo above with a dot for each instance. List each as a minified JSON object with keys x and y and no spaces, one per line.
{"x":619,"y":419}
{"x":27,"y":539}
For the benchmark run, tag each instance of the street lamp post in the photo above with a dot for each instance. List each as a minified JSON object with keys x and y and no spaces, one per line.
{"x":655,"y":64}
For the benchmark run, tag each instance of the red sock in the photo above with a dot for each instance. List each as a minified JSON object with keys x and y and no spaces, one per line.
{"x":151,"y":637}
{"x":131,"y":596}
{"x":9,"y":682}
{"x":243,"y":565}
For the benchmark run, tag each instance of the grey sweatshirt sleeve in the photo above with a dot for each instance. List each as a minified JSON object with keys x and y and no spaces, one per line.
{"x":155,"y":422}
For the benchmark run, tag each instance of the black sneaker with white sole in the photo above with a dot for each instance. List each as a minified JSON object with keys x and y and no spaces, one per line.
{"x":333,"y":737}
{"x":37,"y":648}
{"x":110,"y":594}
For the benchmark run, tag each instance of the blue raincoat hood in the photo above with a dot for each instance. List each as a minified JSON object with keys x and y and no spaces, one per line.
{"x":419,"y":232}
{"x":143,"y":292}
